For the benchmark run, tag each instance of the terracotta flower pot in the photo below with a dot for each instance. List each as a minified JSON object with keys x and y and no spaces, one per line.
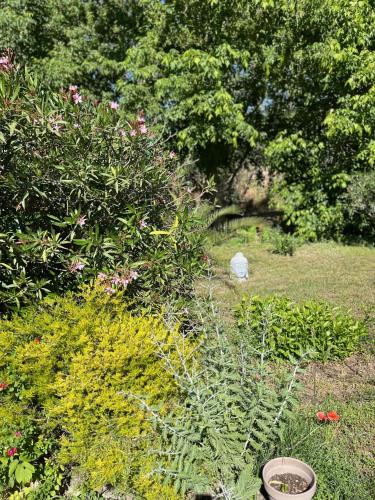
{"x":286,"y":465}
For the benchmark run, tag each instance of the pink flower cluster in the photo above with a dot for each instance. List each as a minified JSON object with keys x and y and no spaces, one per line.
{"x":81,"y":221}
{"x":5,"y":64}
{"x":12,"y":452}
{"x":76,"y":97}
{"x":76,"y":266}
{"x":119,"y":280}
{"x":139,"y":126}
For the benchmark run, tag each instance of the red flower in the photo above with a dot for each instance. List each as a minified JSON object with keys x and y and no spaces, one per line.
{"x":11,"y":452}
{"x":37,"y":340}
{"x":321,"y":416}
{"x":332,"y":416}
{"x":3,"y":385}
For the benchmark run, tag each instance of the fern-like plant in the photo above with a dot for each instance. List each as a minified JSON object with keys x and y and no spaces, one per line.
{"x":231,"y":408}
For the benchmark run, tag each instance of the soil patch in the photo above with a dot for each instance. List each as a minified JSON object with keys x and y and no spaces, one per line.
{"x":292,"y":484}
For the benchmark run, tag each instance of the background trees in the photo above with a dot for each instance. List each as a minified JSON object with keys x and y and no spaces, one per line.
{"x":286,"y":86}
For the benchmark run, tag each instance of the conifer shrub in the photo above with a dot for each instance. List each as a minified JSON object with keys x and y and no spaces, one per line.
{"x":69,"y":372}
{"x":85,"y":193}
{"x":315,"y":326}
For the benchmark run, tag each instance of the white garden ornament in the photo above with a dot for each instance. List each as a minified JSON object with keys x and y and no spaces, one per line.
{"x":239,"y":267}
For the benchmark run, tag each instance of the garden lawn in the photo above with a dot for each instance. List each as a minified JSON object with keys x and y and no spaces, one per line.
{"x":342,"y":455}
{"x":342,"y":275}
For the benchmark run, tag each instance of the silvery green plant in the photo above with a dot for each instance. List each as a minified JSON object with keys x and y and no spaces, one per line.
{"x":231,"y":408}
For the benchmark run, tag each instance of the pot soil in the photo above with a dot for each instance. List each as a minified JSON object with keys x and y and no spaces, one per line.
{"x":288,"y":479}
{"x":289,"y":483}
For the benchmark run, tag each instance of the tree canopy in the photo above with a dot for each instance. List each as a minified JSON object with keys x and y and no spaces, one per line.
{"x":287,"y":86}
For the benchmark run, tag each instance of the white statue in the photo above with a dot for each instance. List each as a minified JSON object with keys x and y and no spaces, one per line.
{"x":239,"y":267}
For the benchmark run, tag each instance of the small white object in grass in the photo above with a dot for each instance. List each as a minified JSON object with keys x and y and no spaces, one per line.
{"x":239,"y":267}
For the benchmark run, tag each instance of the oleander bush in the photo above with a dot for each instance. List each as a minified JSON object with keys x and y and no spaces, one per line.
{"x":70,"y":372}
{"x":84,"y":193}
{"x":314,"y":326}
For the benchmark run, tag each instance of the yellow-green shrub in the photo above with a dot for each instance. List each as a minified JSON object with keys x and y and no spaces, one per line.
{"x":72,"y":366}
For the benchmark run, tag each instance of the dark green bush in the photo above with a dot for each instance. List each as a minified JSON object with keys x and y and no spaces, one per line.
{"x":84,"y":194}
{"x":359,"y":203}
{"x":290,"y":329}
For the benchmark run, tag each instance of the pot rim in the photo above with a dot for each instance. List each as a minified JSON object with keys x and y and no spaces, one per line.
{"x":288,"y":496}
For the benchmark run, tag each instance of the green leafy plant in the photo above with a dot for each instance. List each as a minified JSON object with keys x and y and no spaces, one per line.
{"x":294,"y":328}
{"x":284,"y":244}
{"x":85,"y":193}
{"x":231,"y":408}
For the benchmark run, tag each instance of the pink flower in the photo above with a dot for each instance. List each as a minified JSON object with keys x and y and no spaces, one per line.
{"x":73,"y":89}
{"x":133,"y":275}
{"x":18,"y":434}
{"x":3,"y":386}
{"x":143,"y":129}
{"x":109,"y":290}
{"x":81,"y":220}
{"x":76,"y":266}
{"x":133,"y":132}
{"x":5,"y":64}
{"x":102,"y":276}
{"x":11,"y":452}
{"x":143,"y":224}
{"x":114,"y":105}
{"x":141,"y":119}
{"x":172,"y":155}
{"x":77,"y":98}
{"x":122,"y":132}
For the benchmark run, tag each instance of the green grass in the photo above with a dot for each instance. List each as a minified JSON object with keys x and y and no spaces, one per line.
{"x":342,"y":455}
{"x":342,"y":275}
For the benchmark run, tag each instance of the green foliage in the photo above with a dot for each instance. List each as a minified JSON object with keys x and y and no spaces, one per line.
{"x":232,"y":407}
{"x":212,"y":216}
{"x":284,"y":244}
{"x":359,"y":203}
{"x":70,"y":366}
{"x":81,"y":195}
{"x":71,"y":41}
{"x":286,"y":86}
{"x":294,"y":328}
